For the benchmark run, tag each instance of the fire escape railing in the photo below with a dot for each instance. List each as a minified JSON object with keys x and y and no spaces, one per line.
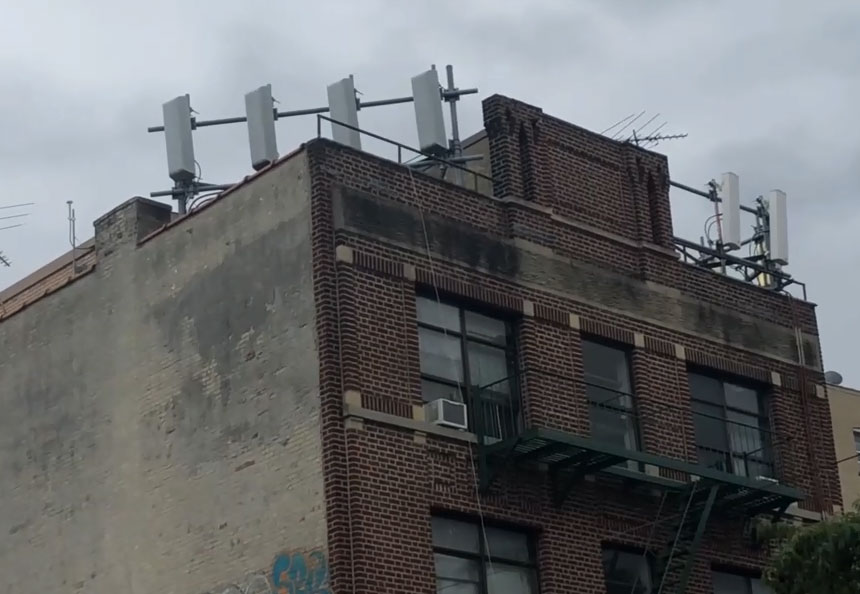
{"x":496,"y":411}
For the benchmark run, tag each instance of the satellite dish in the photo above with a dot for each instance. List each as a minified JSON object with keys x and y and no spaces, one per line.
{"x":834,"y":378}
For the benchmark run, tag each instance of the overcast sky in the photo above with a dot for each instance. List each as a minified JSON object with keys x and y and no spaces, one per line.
{"x":768,"y":89}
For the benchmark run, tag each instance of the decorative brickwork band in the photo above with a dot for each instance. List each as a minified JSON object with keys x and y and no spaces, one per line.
{"x":608,"y":331}
{"x":697,"y":357}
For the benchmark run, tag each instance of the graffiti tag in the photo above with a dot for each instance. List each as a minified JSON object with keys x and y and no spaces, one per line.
{"x":301,"y":573}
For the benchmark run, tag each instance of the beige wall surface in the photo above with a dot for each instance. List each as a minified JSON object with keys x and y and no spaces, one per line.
{"x":160,"y":416}
{"x":845,"y":412}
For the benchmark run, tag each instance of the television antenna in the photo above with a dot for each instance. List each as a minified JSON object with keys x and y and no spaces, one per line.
{"x":646,"y":136}
{"x":4,"y":260}
{"x":720,"y":246}
{"x":428,"y":95}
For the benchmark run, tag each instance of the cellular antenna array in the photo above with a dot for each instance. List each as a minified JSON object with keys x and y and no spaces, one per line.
{"x":721,"y":247}
{"x":179,"y":123}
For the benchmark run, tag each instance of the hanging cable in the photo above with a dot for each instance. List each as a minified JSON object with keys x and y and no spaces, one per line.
{"x":435,"y":286}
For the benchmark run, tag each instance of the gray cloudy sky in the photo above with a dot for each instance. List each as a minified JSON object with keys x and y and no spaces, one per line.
{"x":768,"y":89}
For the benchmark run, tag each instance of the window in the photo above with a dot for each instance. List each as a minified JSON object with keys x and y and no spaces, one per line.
{"x":857,"y":444}
{"x":462,"y":349}
{"x":731,"y":427}
{"x":626,"y":572}
{"x":730,"y":583}
{"x":467,"y":562}
{"x":609,"y":391}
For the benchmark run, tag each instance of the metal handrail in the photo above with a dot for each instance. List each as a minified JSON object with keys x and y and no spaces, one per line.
{"x":766,"y":440}
{"x":401,"y":147}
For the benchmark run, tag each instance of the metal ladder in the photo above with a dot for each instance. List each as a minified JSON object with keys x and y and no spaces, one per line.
{"x":676,"y":563}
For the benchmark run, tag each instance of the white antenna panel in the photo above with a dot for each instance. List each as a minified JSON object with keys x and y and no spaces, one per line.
{"x":428,"y":112}
{"x":730,"y":208}
{"x":177,"y":135}
{"x":778,"y":215}
{"x":343,"y":108}
{"x":260,"y":111}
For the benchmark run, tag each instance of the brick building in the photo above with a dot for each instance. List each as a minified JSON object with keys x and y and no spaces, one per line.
{"x":237,"y":400}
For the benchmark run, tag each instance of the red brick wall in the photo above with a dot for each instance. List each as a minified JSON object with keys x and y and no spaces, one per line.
{"x":381,"y":485}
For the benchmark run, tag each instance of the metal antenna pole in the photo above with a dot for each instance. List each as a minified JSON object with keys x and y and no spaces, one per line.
{"x":73,"y":239}
{"x":451,"y":98}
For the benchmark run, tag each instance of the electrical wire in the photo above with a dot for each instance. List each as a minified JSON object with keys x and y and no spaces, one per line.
{"x":200,"y":201}
{"x":472,"y":453}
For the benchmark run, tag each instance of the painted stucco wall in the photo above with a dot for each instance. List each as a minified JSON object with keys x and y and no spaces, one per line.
{"x":160,"y":416}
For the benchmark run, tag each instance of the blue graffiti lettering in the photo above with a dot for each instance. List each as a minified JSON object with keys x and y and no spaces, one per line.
{"x":301,"y":573}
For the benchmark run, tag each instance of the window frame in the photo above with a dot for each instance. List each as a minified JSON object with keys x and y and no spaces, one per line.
{"x":627,"y":352}
{"x":747,"y":576}
{"x":645,"y":556}
{"x":465,"y":339}
{"x":763,"y":415}
{"x":855,"y":432}
{"x":484,"y":560}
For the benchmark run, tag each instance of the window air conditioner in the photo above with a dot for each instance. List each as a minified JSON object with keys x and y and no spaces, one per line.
{"x":447,"y":413}
{"x":767,"y":479}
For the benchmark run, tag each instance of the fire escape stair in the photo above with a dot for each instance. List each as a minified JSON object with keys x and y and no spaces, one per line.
{"x":568,"y":458}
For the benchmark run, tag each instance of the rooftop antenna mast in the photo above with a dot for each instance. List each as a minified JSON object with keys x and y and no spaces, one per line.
{"x":343,"y":107}
{"x":767,"y":245}
{"x":73,"y":237}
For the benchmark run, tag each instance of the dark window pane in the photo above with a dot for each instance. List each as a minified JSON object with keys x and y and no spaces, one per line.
{"x":606,"y":366}
{"x":742,"y":398}
{"x":710,"y":427}
{"x":619,"y":401}
{"x":486,"y":328}
{"x":509,"y":579}
{"x":441,"y":355}
{"x":857,"y":440}
{"x":438,"y":314}
{"x":626,"y":572}
{"x":745,"y":433}
{"x":706,"y":388}
{"x":727,"y":583}
{"x":488,"y":368}
{"x":613,"y":428}
{"x":716,"y":459}
{"x":431,"y":391}
{"x":452,"y":587}
{"x":758,"y":587}
{"x":455,"y":535}
{"x":753,"y":467}
{"x":504,"y":544}
{"x":457,"y":568}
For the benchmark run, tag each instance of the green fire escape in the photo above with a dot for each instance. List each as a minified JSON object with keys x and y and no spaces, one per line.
{"x":568,"y":458}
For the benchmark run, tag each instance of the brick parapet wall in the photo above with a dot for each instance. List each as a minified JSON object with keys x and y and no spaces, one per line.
{"x":566,"y":236}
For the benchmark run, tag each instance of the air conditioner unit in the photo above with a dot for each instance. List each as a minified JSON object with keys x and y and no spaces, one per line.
{"x":767,"y":479}
{"x":447,"y":413}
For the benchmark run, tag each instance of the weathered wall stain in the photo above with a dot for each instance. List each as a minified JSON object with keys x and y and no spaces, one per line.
{"x":301,"y":573}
